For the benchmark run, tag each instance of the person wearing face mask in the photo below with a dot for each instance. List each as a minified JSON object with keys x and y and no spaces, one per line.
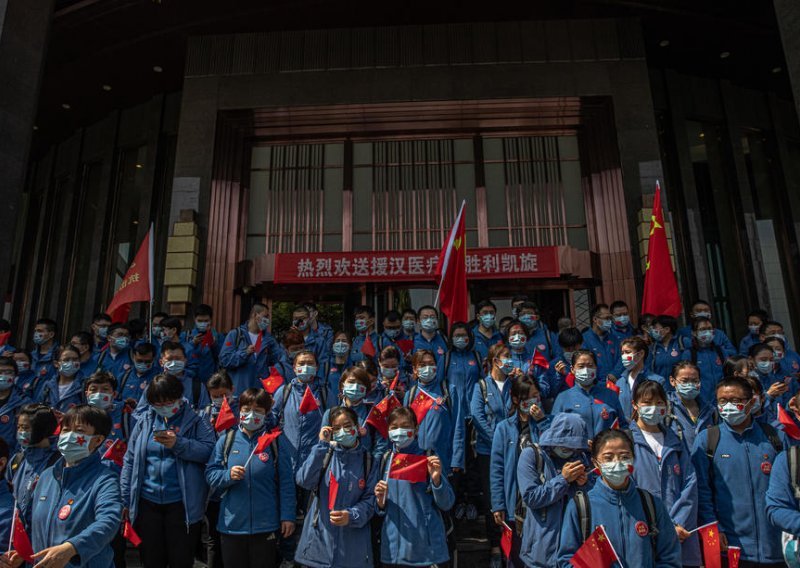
{"x":99,"y":327}
{"x":206,"y":342}
{"x":175,"y":362}
{"x":100,"y":391}
{"x":778,"y":389}
{"x":322,"y":331}
{"x":664,"y":465}
{"x":155,"y":329}
{"x":116,"y":357}
{"x":665,"y":347}
{"x":312,"y":341}
{"x":559,"y":376}
{"x":163,"y":475}
{"x":485,"y":331}
{"x":339,"y":361}
{"x":337,"y":530}
{"x":364,"y":325}
{"x":249,"y":351}
{"x":377,"y":390}
{"x":82,"y":341}
{"x":540,"y":337}
{"x":599,"y":340}
{"x":733,"y":462}
{"x":516,"y":305}
{"x":429,"y":337}
{"x":707,"y":355}
{"x":78,"y":507}
{"x":702,"y":309}
{"x":755,"y":319}
{"x":248,"y":534}
{"x":392,"y":331}
{"x":134,"y":381}
{"x":391,"y":368}
{"x":64,"y":390}
{"x":462,"y":366}
{"x":789,"y":421}
{"x":640,"y":538}
{"x":11,"y":400}
{"x":548,"y":475}
{"x":45,"y":349}
{"x":691,"y":413}
{"x":424,"y":541}
{"x":790,"y":362}
{"x":35,"y":426}
{"x":783,"y":506}
{"x":6,"y":347}
{"x":597,"y":405}
{"x":511,"y":437}
{"x":623,"y":328}
{"x":633,"y":355}
{"x":26,"y":378}
{"x":517,"y":341}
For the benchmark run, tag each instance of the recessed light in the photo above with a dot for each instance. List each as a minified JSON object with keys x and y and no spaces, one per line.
{"x":158,"y":68}
{"x":777,"y":69}
{"x":35,"y":127}
{"x":663,"y":43}
{"x":702,"y":135}
{"x":139,"y":166}
{"x":106,"y":88}
{"x":725,"y":55}
{"x":66,"y":106}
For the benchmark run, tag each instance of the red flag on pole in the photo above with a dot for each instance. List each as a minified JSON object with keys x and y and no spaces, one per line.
{"x":4,"y":337}
{"x":507,"y":540}
{"x":333,"y":491}
{"x":612,"y":386}
{"x":308,"y":403}
{"x":660,"y":287}
{"x":208,"y":339}
{"x":137,"y":285}
{"x":615,"y":424}
{"x":570,"y":380}
{"x":129,"y":534}
{"x":116,"y":452}
{"x":709,"y":536}
{"x":225,"y":419}
{"x":273,"y":382}
{"x":539,"y":360}
{"x":377,"y":416}
{"x":421,"y":404}
{"x":409,"y":467}
{"x":20,"y":540}
{"x":405,"y":345}
{"x":368,"y":348}
{"x":790,"y":427}
{"x":734,"y":553}
{"x":596,"y":552}
{"x":265,"y":439}
{"x":451,"y":272}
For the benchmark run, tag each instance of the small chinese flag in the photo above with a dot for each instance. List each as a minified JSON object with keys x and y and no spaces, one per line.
{"x":612,"y":386}
{"x":4,"y":337}
{"x":596,"y":552}
{"x":20,"y":540}
{"x":208,"y":339}
{"x":129,"y":534}
{"x":790,"y":427}
{"x":377,"y":416}
{"x":660,"y":287}
{"x":308,"y":403}
{"x":409,"y":467}
{"x":734,"y":553}
{"x":405,"y":345}
{"x":505,"y":542}
{"x":116,"y":452}
{"x":137,"y":284}
{"x":368,"y":348}
{"x":421,"y":404}
{"x":333,"y":491}
{"x":393,"y":386}
{"x":225,"y":418}
{"x":539,"y":360}
{"x":273,"y":382}
{"x":709,"y":536}
{"x":615,"y":424}
{"x":570,"y":379}
{"x":265,"y":439}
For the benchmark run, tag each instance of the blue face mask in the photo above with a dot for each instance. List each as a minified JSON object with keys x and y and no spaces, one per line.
{"x":361,"y":325}
{"x":174,"y":367}
{"x":733,"y":414}
{"x":388,"y":372}
{"x":506,"y":365}
{"x":69,"y":368}
{"x":527,"y":405}
{"x":156,"y":330}
{"x":615,"y":473}
{"x":409,"y":326}
{"x":586,"y":376}
{"x":764,"y":367}
{"x":529,"y":321}
{"x":460,"y":342}
{"x":705,"y":336}
{"x":168,"y":410}
{"x":401,"y":437}
{"x":252,"y":421}
{"x":628,"y":361}
{"x":346,"y":437}
{"x":777,"y":355}
{"x":655,"y":334}
{"x":263,"y":323}
{"x":563,"y":453}
{"x":517,"y":341}
{"x":606,"y":325}
{"x":653,"y":415}
{"x":706,"y":315}
{"x":341,"y":348}
{"x":689,"y":391}
{"x":6,"y":382}
{"x":142,"y":367}
{"x":487,"y":320}
{"x":622,"y":321}
{"x":301,"y":325}
{"x":429,"y":324}
{"x":24,"y":439}
{"x":392,"y":333}
{"x":121,"y":342}
{"x":100,"y":400}
{"x":74,"y":447}
{"x":426,"y":374}
{"x":202,"y":326}
{"x":38,"y":338}
{"x":354,"y":392}
{"x":306,"y":373}
{"x":102,"y":332}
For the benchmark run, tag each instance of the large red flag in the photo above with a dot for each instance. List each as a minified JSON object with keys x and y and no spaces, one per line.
{"x":377,"y":416}
{"x":137,"y":285}
{"x":709,"y":536}
{"x":116,"y":452}
{"x":596,"y":552}
{"x":612,"y":386}
{"x":451,"y":272}
{"x":421,"y":405}
{"x":789,"y":425}
{"x":333,"y":491}
{"x":20,"y":540}
{"x":660,"y":287}
{"x":409,"y":467}
{"x":308,"y":402}
{"x":225,"y":418}
{"x":273,"y":382}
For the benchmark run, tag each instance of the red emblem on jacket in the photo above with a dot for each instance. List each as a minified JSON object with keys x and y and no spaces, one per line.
{"x":641,"y":528}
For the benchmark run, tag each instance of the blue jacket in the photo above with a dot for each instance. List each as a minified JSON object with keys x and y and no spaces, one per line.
{"x":205,"y":358}
{"x":545,"y":342}
{"x":74,"y":396}
{"x":605,"y":349}
{"x":503,"y":464}
{"x":369,"y":438}
{"x":301,"y":430}
{"x":122,"y":423}
{"x":437,"y":345}
{"x":6,"y":512}
{"x":322,"y":544}
{"x":556,"y":382}
{"x":662,"y":358}
{"x":747,"y":342}
{"x":545,"y":493}
{"x":334,"y":374}
{"x":790,"y":364}
{"x":770,"y":404}
{"x":720,"y":339}
{"x":25,"y":381}
{"x":598,"y":407}
{"x":462,"y":374}
{"x":265,"y":497}
{"x":673,"y":480}
{"x":626,"y":392}
{"x":483,"y":343}
{"x":619,"y":512}
{"x":439,"y":432}
{"x":783,"y":508}
{"x":132,"y":385}
{"x":89,"y":493}
{"x":25,"y":476}
{"x":246,"y":371}
{"x":358,"y":342}
{"x":43,"y":364}
{"x":8,"y":417}
{"x":117,"y":366}
{"x":779,"y":426}
{"x":413,"y":531}
{"x":487,"y":414}
{"x":710,"y":364}
{"x":194,"y":446}
{"x":682,"y":423}
{"x":734,"y":494}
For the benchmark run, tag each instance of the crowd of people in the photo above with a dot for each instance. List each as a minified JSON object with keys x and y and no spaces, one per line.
{"x":326,"y":448}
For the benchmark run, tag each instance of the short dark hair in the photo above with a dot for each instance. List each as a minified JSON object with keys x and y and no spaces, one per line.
{"x":92,"y":416}
{"x":484,"y":304}
{"x":681,"y":365}
{"x":137,"y":326}
{"x":219,"y":380}
{"x":520,"y":389}
{"x":401,"y":412}
{"x":528,"y":305}
{"x":369,"y":366}
{"x":697,"y":321}
{"x":581,"y":353}
{"x":597,"y":308}
{"x":100,"y":316}
{"x":364,"y":310}
{"x":737,"y":383}
{"x":300,"y":308}
{"x":428,"y":307}
{"x":164,"y":388}
{"x":409,"y":312}
{"x":172,"y":322}
{"x":43,"y":421}
{"x":519,"y":298}
{"x":160,"y":315}
{"x":758,"y":348}
{"x":203,"y":310}
{"x":84,"y":337}
{"x":759,"y":313}
{"x":570,"y":337}
{"x":63,"y":349}
{"x":9,"y":362}
{"x":100,"y":378}
{"x":518,"y":323}
{"x":461,"y":325}
{"x":649,"y":388}
{"x":392,"y":316}
{"x":617,"y":304}
{"x":770,"y":323}
{"x":256,"y":397}
{"x":389,"y":352}
{"x":50,"y":325}
{"x":5,"y":325}
{"x":602,"y":438}
{"x":357,"y":373}
{"x":733,"y":364}
{"x":145,"y":349}
{"x":667,"y":321}
{"x":115,"y":326}
{"x":337,"y":411}
{"x":173,"y":346}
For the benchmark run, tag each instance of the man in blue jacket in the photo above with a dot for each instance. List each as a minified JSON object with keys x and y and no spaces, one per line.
{"x":485,"y":330}
{"x":206,"y":343}
{"x":702,"y":309}
{"x":250,"y":350}
{"x":364,"y":324}
{"x":600,"y":341}
{"x":116,"y":357}
{"x":100,"y":324}
{"x":11,"y":399}
{"x":733,"y":462}
{"x":429,"y":336}
{"x":43,"y":356}
{"x":540,"y":337}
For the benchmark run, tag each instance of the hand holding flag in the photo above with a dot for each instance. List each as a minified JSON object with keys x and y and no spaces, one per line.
{"x":421,"y":404}
{"x":709,"y":536}
{"x":790,"y":427}
{"x":308,"y":403}
{"x":333,"y":491}
{"x":129,"y":534}
{"x":20,"y":542}
{"x":409,"y":467}
{"x":264,"y":441}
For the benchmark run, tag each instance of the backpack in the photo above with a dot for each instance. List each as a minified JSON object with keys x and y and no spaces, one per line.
{"x":326,"y":462}
{"x":648,"y":504}
{"x":520,"y":509}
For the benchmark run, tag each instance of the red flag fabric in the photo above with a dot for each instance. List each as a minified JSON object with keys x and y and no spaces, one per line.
{"x":137,"y":285}
{"x":409,"y":467}
{"x":421,"y":405}
{"x":116,"y":452}
{"x":273,"y":382}
{"x":333,"y":491}
{"x":539,"y":360}
{"x":570,"y":380}
{"x":225,"y":419}
{"x":709,"y":537}
{"x":615,"y":424}
{"x":395,"y":380}
{"x":377,"y":416}
{"x":612,"y":386}
{"x":368,"y":348}
{"x":734,"y":553}
{"x":4,"y":337}
{"x":265,"y":439}
{"x":790,"y":427}
{"x":20,"y":540}
{"x":505,"y":542}
{"x":308,"y":403}
{"x":129,"y":534}
{"x":451,"y":272}
{"x":596,"y":552}
{"x":405,"y":345}
{"x":208,"y":339}
{"x":257,"y":347}
{"x":660,"y":287}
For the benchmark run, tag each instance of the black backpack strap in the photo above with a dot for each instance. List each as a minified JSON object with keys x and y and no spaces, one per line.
{"x":226,"y":449}
{"x":793,"y":457}
{"x":772,"y":434}
{"x":485,"y":394}
{"x":16,"y":461}
{"x":124,"y":381}
{"x":548,"y":340}
{"x":196,"y":391}
{"x":326,"y":462}
{"x":126,"y":423}
{"x":323,"y":395}
{"x":101,"y":359}
{"x":521,"y":509}
{"x":584,"y":514}
{"x":712,"y":441}
{"x":694,"y":355}
{"x":649,"y":506}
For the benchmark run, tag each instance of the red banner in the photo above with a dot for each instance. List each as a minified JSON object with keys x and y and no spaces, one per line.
{"x":412,"y":266}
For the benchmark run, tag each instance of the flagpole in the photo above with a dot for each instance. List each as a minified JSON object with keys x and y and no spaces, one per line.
{"x":611,"y":544}
{"x":451,"y":237}
{"x":704,"y":526}
{"x":13,"y":525}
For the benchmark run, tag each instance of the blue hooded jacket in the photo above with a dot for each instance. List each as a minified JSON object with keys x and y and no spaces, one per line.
{"x":131,"y":385}
{"x":710,"y":364}
{"x":205,"y":358}
{"x":487,"y":414}
{"x":25,"y":476}
{"x":8,"y":417}
{"x":605,"y":349}
{"x":783,"y":507}
{"x":50,"y":396}
{"x":462,"y":374}
{"x":246,"y":371}
{"x":114,"y":365}
{"x":682,"y":423}
{"x":439,"y":431}
{"x":370,"y":439}
{"x":334,"y":375}
{"x":322,"y":544}
{"x":191,"y":452}
{"x":599,"y":407}
{"x":6,"y":512}
{"x":301,"y":430}
{"x":358,"y":342}
{"x":538,"y":340}
{"x":43,"y":364}
{"x":626,"y":392}
{"x":662,"y":358}
{"x":483,"y":343}
{"x":88,"y":493}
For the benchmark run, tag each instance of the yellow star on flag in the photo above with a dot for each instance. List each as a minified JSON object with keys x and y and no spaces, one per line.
{"x":457,"y":243}
{"x":654,"y":225}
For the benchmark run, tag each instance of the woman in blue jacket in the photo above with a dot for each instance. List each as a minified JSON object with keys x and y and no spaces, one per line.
{"x":11,"y":399}
{"x":707,"y":355}
{"x":633,"y":352}
{"x":338,"y":362}
{"x":512,"y":435}
{"x":391,"y":366}
{"x":337,"y":531}
{"x":463,"y":368}
{"x":517,"y":340}
{"x":778,"y":389}
{"x":549,"y":474}
{"x":690,"y":413}
{"x":78,"y":507}
{"x":65,"y":389}
{"x":664,"y":465}
{"x":258,"y":496}
{"x":163,"y":475}
{"x":413,"y":531}
{"x":618,"y":504}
